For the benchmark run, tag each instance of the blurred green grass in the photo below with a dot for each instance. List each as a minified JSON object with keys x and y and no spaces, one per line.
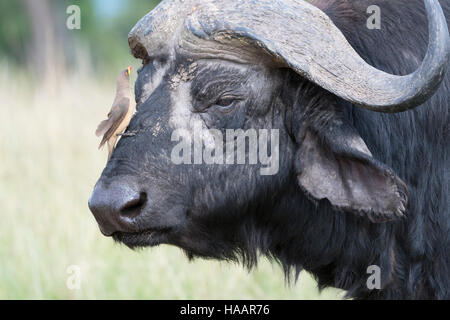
{"x":48,"y":166}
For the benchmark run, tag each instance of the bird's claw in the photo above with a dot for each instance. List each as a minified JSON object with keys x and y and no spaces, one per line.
{"x":127,"y":134}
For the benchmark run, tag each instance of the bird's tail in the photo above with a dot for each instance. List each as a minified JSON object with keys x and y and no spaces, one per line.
{"x":101,"y":145}
{"x":104,"y":140}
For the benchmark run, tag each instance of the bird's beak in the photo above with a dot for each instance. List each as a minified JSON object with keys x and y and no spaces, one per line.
{"x":129,"y":70}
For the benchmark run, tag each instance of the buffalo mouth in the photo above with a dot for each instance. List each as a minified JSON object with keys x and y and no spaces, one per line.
{"x":145,"y":238}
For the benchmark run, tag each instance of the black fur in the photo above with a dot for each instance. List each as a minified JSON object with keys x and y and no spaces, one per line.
{"x":231,"y":213}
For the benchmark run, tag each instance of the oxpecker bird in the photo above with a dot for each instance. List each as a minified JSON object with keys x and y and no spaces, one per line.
{"x":120,"y":114}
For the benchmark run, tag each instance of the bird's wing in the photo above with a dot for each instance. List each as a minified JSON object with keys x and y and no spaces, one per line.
{"x":103,"y":126}
{"x":109,"y":126}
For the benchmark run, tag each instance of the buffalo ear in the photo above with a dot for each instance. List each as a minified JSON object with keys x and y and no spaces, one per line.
{"x":334,"y":163}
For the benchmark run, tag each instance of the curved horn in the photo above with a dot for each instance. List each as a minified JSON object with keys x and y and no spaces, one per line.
{"x":301,"y":36}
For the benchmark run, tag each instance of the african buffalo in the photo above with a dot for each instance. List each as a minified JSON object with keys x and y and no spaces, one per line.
{"x":364,"y":131}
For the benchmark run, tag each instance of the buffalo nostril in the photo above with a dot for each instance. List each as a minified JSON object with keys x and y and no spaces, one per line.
{"x":134,"y":206}
{"x":116,"y":205}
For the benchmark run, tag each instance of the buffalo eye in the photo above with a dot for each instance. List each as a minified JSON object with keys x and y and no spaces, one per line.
{"x":225,"y":104}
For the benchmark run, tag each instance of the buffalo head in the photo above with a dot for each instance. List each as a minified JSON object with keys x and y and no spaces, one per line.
{"x":280,"y":68}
